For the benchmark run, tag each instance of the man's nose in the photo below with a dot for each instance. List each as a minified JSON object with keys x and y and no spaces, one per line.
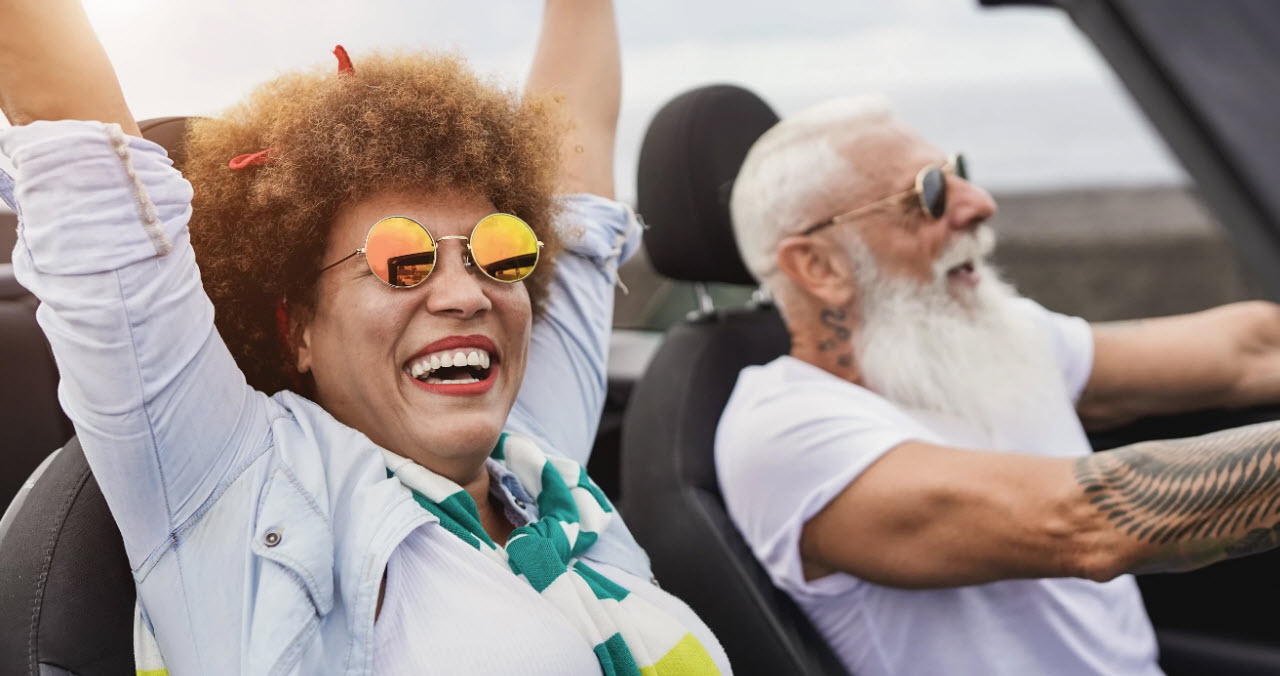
{"x":969,"y":205}
{"x":453,"y":289}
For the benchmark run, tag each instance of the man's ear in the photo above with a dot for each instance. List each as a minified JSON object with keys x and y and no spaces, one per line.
{"x":820,"y":268}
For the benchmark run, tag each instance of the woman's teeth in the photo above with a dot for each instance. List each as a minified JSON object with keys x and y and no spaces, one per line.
{"x":460,"y":367}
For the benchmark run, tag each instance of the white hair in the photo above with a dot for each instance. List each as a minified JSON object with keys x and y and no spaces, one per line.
{"x":792,"y":165}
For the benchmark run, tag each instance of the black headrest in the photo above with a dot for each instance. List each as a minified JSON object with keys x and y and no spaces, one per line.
{"x":690,"y":156}
{"x":168,"y":132}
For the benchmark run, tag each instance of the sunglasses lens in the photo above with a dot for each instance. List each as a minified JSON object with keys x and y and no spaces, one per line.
{"x":504,"y":247}
{"x":400,"y":251}
{"x":933,"y":192}
{"x":961,"y":169}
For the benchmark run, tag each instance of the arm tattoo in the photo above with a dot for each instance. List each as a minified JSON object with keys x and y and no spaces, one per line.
{"x":1196,"y":501}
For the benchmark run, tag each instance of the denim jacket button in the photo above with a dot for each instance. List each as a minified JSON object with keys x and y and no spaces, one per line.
{"x":272,"y":538}
{"x":519,"y":502}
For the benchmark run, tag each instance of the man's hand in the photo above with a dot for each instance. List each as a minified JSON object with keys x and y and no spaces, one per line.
{"x":579,"y":65}
{"x":1227,"y":357}
{"x":52,"y":66}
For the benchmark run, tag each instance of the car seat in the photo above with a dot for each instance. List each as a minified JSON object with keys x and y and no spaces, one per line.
{"x":690,"y":155}
{"x":29,"y":414}
{"x":66,"y":591}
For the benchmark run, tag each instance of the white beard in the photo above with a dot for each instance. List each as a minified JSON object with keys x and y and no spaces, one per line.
{"x":970,"y":353}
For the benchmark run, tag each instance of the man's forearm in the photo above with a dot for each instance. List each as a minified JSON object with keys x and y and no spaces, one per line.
{"x":52,"y":66}
{"x":1189,"y":502}
{"x":1225,"y":357}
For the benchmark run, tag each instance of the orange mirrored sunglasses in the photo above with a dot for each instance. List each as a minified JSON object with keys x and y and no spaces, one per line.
{"x":401,"y":251}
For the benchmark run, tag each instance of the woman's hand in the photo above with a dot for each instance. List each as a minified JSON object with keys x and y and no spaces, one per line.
{"x":578,"y":62}
{"x":52,"y":66}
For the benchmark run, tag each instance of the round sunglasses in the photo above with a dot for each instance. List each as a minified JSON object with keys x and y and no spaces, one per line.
{"x":402,"y":252}
{"x":930,"y":191}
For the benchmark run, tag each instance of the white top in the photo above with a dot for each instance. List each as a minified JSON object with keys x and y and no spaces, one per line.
{"x":440,"y":589}
{"x":793,"y":436}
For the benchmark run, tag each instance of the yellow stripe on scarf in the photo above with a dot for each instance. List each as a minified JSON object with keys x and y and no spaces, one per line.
{"x":686,"y":657}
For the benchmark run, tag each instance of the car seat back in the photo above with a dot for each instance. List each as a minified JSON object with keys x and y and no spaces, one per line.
{"x":691,"y":153}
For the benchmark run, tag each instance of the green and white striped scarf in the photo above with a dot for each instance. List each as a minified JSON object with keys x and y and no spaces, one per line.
{"x":630,"y":636}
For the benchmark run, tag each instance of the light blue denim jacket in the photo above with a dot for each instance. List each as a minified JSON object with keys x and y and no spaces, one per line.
{"x":196,"y":466}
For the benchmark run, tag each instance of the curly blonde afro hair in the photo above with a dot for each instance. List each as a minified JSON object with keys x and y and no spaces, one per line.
{"x":397,"y":123}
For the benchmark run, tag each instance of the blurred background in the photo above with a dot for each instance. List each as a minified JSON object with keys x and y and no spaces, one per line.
{"x":1096,"y":217}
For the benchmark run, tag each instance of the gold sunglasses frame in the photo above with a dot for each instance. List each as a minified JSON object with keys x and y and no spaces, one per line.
{"x":468,"y":258}
{"x":954,"y":161}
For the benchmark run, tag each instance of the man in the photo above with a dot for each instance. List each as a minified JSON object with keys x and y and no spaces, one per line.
{"x":915,"y":474}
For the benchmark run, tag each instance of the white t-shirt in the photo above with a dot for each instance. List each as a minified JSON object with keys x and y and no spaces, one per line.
{"x":793,"y":436}
{"x":440,"y":590}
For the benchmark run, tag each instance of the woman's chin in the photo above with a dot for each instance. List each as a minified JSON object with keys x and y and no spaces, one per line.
{"x":461,"y":440}
{"x":450,"y":427}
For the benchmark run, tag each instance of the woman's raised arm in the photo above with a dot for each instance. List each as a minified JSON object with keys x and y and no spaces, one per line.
{"x":52,"y":66}
{"x":578,"y":61}
{"x":160,"y":407}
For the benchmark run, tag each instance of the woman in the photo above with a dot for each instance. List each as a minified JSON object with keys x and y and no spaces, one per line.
{"x":356,"y":235}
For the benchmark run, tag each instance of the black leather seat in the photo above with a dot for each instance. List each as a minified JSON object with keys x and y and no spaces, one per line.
{"x":66,"y":596}
{"x":691,"y":153}
{"x":66,"y":593}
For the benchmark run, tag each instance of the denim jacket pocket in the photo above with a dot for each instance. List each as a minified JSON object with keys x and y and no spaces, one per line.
{"x":293,"y":547}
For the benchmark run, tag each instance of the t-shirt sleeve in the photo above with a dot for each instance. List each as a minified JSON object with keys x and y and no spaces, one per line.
{"x":783,"y":452}
{"x":1071,"y":339}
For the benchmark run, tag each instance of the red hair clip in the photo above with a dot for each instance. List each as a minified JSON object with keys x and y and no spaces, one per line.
{"x":250,"y":159}
{"x":264,"y":156}
{"x":344,"y":61}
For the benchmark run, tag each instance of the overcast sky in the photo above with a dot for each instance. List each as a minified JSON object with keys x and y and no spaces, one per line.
{"x":1019,"y":90}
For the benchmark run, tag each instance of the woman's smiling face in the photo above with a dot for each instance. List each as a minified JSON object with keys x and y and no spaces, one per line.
{"x":365,"y":340}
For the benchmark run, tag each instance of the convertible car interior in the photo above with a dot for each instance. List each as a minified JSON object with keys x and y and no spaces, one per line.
{"x":1203,"y":72}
